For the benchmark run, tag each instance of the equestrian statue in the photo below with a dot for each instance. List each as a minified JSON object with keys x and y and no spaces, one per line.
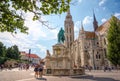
{"x":61,"y":36}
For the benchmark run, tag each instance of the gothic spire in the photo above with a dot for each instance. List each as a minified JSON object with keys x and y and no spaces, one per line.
{"x":68,"y":11}
{"x":82,"y":28}
{"x":94,"y":17}
{"x":68,"y":14}
{"x":95,"y":23}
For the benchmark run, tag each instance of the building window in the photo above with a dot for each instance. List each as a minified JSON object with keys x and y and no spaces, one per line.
{"x":105,"y":53}
{"x":97,"y":43}
{"x":70,"y":30}
{"x":97,"y":52}
{"x":104,"y":41}
{"x":98,"y":56}
{"x":70,"y":38}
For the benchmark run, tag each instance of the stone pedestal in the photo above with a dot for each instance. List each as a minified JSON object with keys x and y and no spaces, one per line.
{"x":63,"y":72}
{"x":60,"y":63}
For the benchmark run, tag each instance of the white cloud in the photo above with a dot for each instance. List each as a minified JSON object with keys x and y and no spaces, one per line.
{"x":103,"y":20}
{"x":87,"y":20}
{"x":117,"y":14}
{"x":37,"y":33}
{"x":79,"y":1}
{"x":42,"y":48}
{"x":102,"y":2}
{"x":76,"y":28}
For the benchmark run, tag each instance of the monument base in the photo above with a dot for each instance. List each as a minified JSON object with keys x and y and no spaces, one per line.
{"x":63,"y":72}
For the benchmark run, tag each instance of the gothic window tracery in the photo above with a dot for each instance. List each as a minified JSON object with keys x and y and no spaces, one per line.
{"x":104,"y":41}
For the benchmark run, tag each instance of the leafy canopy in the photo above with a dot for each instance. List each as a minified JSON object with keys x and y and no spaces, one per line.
{"x":8,"y":53}
{"x":11,"y":12}
{"x":114,"y":41}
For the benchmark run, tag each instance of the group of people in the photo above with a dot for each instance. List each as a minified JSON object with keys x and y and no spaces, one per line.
{"x":23,"y":66}
{"x":38,"y":70}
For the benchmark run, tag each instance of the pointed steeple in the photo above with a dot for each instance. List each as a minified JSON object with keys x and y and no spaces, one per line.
{"x":95,"y":23}
{"x":68,"y":14}
{"x":82,"y":26}
{"x":94,"y":16}
{"x":81,"y":30}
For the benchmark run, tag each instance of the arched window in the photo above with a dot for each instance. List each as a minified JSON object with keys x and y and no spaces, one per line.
{"x":105,"y":52}
{"x":104,"y":41}
{"x":98,"y":56}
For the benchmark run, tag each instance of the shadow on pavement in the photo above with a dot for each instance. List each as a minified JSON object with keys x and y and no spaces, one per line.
{"x":90,"y":77}
{"x":42,"y":79}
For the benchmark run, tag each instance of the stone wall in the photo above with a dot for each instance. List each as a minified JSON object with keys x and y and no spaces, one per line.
{"x":63,"y":72}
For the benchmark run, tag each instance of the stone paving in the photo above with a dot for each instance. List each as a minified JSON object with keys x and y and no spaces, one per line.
{"x":17,"y":75}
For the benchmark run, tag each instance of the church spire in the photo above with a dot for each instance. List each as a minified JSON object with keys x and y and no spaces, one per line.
{"x":68,"y":11}
{"x":68,"y":15}
{"x":82,"y":26}
{"x":95,"y":23}
{"x":81,"y":30}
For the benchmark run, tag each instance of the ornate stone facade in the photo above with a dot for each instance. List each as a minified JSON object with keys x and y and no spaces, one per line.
{"x":91,"y":47}
{"x":88,"y":50}
{"x":61,"y":62}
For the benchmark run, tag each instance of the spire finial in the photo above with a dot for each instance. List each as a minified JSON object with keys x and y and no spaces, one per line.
{"x":68,"y":12}
{"x":94,"y":16}
{"x":95,"y":23}
{"x":82,"y":26}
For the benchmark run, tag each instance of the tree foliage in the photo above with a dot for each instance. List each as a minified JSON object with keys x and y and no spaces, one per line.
{"x":1,"y":49}
{"x":114,"y":41}
{"x":8,"y":53}
{"x":2,"y":53}
{"x":11,"y":12}
{"x":13,"y":53}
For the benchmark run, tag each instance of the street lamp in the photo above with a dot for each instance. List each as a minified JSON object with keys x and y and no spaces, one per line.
{"x":29,"y":55}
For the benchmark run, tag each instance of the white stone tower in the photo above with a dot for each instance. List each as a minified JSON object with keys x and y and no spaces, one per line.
{"x":69,"y":30}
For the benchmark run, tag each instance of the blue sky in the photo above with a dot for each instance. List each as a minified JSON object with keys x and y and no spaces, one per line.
{"x":41,"y":38}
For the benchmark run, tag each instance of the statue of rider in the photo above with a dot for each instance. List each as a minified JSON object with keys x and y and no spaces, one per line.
{"x":61,"y":36}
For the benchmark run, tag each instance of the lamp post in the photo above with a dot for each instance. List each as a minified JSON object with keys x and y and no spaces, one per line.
{"x":29,"y":55}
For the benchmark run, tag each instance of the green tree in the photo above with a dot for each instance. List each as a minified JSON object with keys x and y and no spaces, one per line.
{"x":11,"y":12}
{"x":16,"y":52}
{"x":2,"y":53}
{"x":113,"y":38}
{"x":13,"y":53}
{"x":1,"y":49}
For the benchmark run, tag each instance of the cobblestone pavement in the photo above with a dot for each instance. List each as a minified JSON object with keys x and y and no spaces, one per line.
{"x":16,"y":75}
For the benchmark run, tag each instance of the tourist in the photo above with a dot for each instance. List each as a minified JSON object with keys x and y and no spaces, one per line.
{"x":41,"y":70}
{"x":36,"y":71}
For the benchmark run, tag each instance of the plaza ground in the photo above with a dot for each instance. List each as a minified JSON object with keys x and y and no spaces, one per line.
{"x":95,"y":75}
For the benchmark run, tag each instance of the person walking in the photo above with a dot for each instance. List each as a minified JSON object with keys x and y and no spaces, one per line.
{"x":41,"y":70}
{"x":36,"y":70}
